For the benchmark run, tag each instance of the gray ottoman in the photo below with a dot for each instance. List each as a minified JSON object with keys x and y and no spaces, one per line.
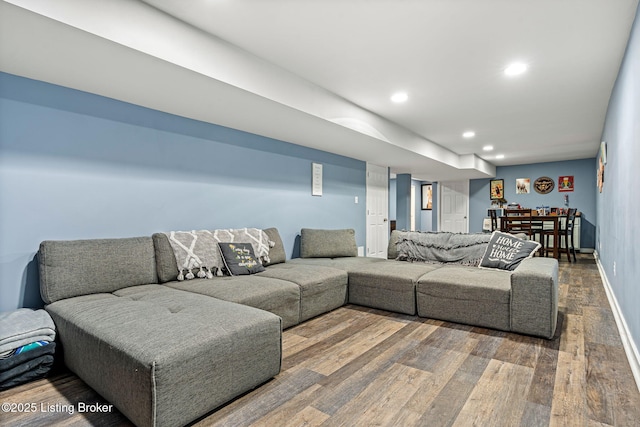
{"x":165,"y":357}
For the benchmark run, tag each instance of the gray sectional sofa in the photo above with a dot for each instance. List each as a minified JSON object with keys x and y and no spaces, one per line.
{"x":524,"y":300}
{"x":166,"y":352}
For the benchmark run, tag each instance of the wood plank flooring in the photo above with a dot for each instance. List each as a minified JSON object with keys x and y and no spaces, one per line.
{"x":358,"y":366}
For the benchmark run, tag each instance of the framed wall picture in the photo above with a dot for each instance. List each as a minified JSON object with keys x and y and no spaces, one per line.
{"x":497,"y":189}
{"x":427,"y":197}
{"x":543,"y":185}
{"x":565,"y":183}
{"x":603,"y":152}
{"x":602,"y":161}
{"x":523,"y":185}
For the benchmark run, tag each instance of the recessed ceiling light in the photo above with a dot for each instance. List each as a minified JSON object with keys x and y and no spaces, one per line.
{"x":488,"y":148}
{"x":399,"y":97}
{"x":515,"y":69}
{"x":500,"y":156}
{"x":469,"y":134}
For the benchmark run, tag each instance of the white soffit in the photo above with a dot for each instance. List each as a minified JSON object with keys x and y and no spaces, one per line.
{"x":151,"y":59}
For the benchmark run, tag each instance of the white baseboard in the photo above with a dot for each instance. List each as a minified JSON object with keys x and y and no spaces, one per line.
{"x":629,"y":345}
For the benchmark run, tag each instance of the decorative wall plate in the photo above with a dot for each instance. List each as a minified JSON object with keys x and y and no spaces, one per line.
{"x":544,"y":185}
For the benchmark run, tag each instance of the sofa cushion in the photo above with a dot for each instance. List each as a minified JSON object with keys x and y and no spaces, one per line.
{"x":165,"y":357}
{"x":462,"y":282}
{"x":466,"y":295}
{"x":166,"y":264}
{"x":316,"y":243}
{"x":388,"y":285}
{"x":321,"y":288}
{"x":239,"y":259}
{"x":277,"y":253}
{"x":79,"y":267}
{"x":506,"y":251}
{"x":280,"y":297}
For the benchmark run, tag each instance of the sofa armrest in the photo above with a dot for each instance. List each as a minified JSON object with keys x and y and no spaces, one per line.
{"x":534,"y":297}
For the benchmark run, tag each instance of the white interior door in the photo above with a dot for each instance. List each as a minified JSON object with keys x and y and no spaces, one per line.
{"x":454,"y":206}
{"x":377,"y":211}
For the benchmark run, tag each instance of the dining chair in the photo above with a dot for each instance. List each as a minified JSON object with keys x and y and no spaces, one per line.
{"x":494,"y":219}
{"x":518,"y":221}
{"x":565,"y":235}
{"x":537,"y":228}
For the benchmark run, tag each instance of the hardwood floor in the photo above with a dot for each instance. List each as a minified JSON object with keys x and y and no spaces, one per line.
{"x":360,"y":366}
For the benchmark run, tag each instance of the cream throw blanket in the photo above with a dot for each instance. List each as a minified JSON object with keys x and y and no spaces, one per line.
{"x":197,"y":253}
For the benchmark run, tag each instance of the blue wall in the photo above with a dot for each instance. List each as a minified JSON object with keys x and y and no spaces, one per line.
{"x":403,"y":202}
{"x":75,"y":165}
{"x":583,"y":197}
{"x":424,"y":218}
{"x":618,"y":205}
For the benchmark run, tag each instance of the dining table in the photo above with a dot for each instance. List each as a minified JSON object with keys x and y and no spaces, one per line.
{"x":553,"y":220}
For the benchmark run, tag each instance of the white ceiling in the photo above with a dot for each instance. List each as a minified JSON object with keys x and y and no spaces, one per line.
{"x":320,"y":73}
